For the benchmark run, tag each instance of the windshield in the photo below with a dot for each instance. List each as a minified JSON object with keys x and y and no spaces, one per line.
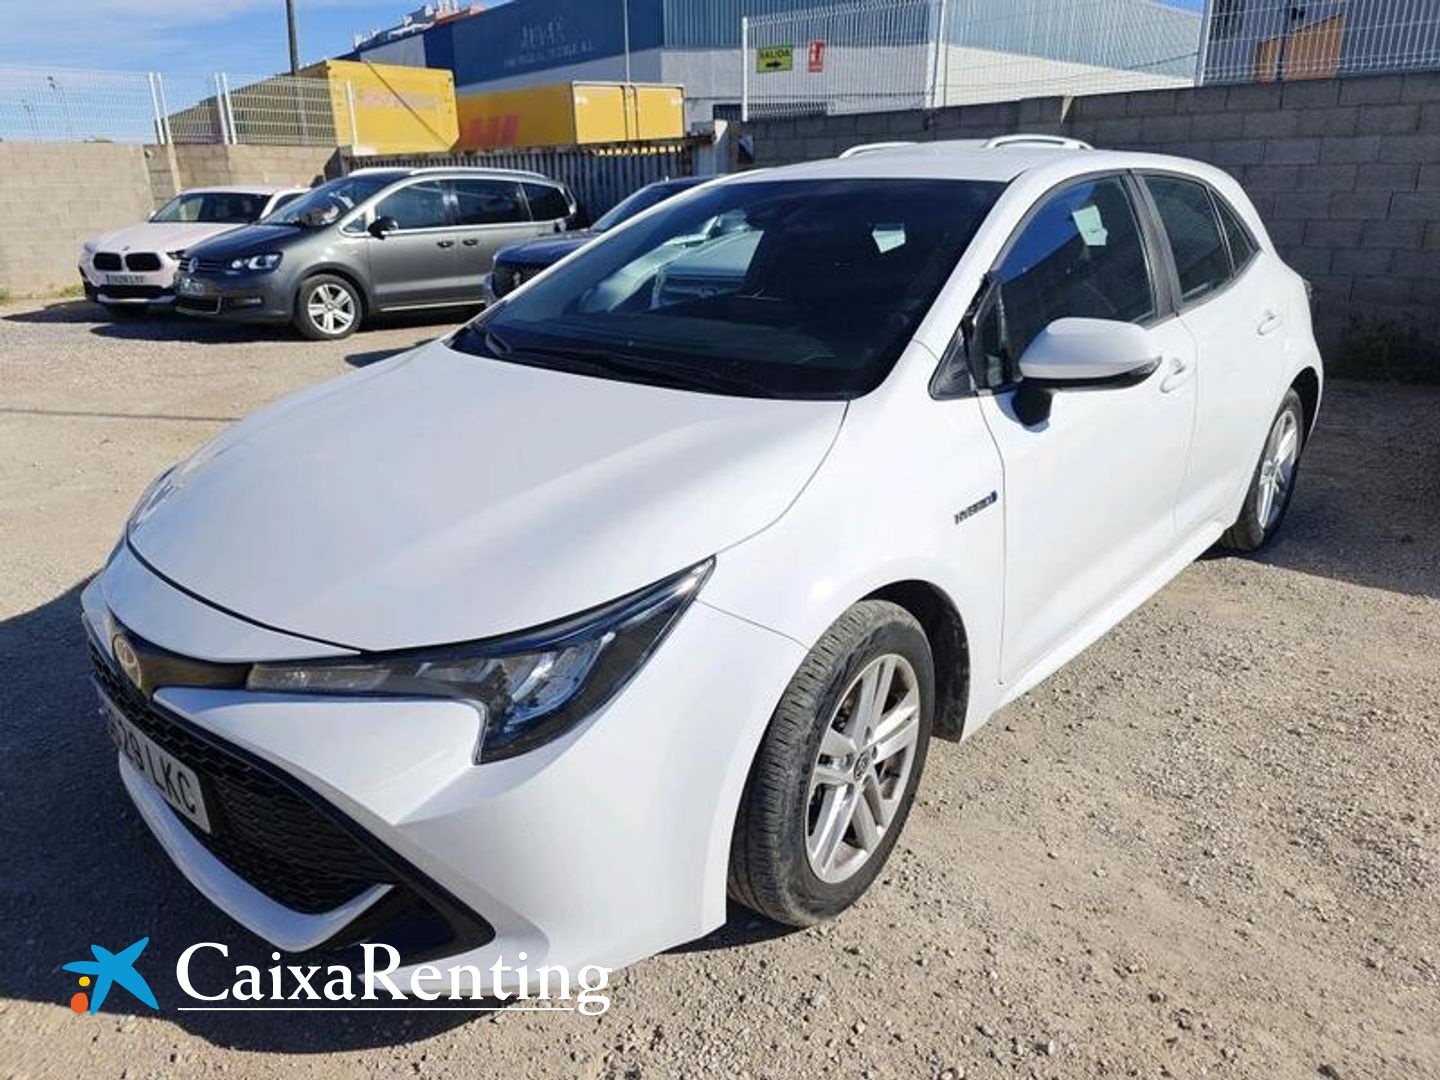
{"x":643,"y":199}
{"x":330,"y":201}
{"x":217,"y":207}
{"x":778,"y":288}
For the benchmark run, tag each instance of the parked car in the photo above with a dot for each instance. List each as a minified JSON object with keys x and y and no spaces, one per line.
{"x":133,"y":268}
{"x":548,"y":635}
{"x":378,"y":240}
{"x":517,"y":263}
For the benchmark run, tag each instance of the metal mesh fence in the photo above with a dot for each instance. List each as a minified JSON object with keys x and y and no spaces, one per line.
{"x":899,"y":54}
{"x":1269,"y":40}
{"x":64,"y":105}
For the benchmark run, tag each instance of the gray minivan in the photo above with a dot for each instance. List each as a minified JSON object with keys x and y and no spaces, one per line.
{"x":378,"y":240}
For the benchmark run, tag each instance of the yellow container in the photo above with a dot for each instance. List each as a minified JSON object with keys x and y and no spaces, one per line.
{"x":390,"y":108}
{"x":571,"y":114}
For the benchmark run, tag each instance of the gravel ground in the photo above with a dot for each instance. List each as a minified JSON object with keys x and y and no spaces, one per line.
{"x":1210,"y":846}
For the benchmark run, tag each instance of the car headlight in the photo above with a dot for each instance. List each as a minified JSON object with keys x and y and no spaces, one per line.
{"x":529,"y":688}
{"x":269,"y":261}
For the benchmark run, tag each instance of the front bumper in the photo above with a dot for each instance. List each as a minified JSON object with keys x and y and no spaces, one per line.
{"x":124,"y":288}
{"x":248,"y":297}
{"x":603,"y":847}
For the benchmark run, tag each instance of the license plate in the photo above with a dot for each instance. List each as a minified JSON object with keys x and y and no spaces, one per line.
{"x":124,"y":279}
{"x":178,"y":784}
{"x":189,"y":286}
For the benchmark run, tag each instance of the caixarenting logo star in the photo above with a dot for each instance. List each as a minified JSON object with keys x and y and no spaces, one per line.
{"x":107,"y":969}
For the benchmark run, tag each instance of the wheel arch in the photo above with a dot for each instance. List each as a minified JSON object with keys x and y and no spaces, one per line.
{"x":1307,"y":384}
{"x":949,"y":643}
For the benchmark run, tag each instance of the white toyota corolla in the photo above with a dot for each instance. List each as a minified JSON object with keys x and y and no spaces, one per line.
{"x":546,"y":637}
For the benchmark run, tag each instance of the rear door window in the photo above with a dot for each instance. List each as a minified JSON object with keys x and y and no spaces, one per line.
{"x":416,"y":206}
{"x":1242,"y":244}
{"x":1202,"y":260}
{"x":489,"y":202}
{"x":547,"y":202}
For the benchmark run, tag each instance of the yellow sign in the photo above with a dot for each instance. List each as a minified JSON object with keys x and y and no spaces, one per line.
{"x":775,"y":58}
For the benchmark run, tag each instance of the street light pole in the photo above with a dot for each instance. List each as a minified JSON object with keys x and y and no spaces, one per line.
{"x":290,"y":27}
{"x":625,"y":26}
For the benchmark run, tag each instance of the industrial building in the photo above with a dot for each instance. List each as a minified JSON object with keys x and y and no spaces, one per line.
{"x":695,"y":43}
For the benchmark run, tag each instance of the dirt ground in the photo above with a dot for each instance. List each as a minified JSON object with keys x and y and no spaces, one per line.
{"x":1210,"y":846}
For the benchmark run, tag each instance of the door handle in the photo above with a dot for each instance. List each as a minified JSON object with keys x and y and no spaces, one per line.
{"x":1179,"y":374}
{"x":1269,"y":323}
{"x":445,"y":243}
{"x":471,"y":242}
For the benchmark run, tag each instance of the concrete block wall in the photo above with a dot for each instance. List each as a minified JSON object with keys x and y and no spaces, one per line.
{"x":55,"y":195}
{"x":1345,"y":172}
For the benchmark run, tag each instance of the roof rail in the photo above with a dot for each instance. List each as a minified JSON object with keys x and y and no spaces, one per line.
{"x":1060,"y":142}
{"x":872,"y":147}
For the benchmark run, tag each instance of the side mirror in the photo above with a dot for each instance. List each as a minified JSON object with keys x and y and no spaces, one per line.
{"x":382,"y":225}
{"x":1076,"y":353}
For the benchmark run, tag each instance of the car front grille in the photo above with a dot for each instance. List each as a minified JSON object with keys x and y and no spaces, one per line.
{"x":193,"y":265}
{"x":107,"y":260}
{"x":134,"y":292}
{"x":279,"y":841}
{"x":142,"y":261}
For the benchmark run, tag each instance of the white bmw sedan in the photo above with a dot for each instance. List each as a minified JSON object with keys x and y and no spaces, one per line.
{"x":541,"y":640}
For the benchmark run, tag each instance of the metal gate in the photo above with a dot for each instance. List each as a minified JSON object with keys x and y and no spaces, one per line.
{"x":599,"y":176}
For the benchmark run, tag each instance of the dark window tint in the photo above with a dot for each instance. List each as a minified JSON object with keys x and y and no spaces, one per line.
{"x":810,"y":289}
{"x":214,"y":207}
{"x":489,"y":202}
{"x":1081,"y":255}
{"x":1242,"y":244}
{"x":1189,"y":218}
{"x":547,"y":203}
{"x":416,"y":206}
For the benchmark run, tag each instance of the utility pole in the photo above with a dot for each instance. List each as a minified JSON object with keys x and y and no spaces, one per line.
{"x":290,"y":26}
{"x":625,"y":29}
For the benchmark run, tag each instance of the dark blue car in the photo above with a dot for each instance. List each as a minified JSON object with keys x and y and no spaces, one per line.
{"x":518,"y":263}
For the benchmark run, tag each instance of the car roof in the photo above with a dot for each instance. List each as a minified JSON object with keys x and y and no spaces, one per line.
{"x":245,"y":189}
{"x":400,"y":172}
{"x":994,"y":160}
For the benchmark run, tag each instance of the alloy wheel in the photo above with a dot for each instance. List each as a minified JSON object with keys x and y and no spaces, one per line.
{"x":331,"y":308}
{"x":861,"y":771}
{"x":1277,"y":468}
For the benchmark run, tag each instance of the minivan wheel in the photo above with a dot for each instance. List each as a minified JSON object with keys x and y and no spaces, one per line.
{"x":327,"y":308}
{"x":1273,"y":483}
{"x":835,"y":776}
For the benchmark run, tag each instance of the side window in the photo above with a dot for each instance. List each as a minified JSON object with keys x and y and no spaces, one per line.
{"x":1082,"y":255}
{"x":1188,"y":215}
{"x":416,"y":206}
{"x":489,"y":202}
{"x":1242,"y":244}
{"x":288,"y":197}
{"x":547,"y":202}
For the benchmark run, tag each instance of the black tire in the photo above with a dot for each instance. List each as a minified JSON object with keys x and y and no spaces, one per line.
{"x":316,"y":331}
{"x":1250,"y":533}
{"x":770,"y":871}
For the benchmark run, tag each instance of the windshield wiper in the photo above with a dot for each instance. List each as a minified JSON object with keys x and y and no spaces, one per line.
{"x":606,"y":360}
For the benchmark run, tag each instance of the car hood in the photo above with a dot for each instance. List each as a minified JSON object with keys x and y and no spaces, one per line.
{"x":248,"y":240}
{"x":544,"y":250}
{"x":441,"y":497}
{"x":160,"y":236}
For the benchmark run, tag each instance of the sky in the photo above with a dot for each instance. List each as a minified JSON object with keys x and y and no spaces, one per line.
{"x":240,"y":37}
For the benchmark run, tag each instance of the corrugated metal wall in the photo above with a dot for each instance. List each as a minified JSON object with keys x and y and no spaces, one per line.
{"x":599,"y":176}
